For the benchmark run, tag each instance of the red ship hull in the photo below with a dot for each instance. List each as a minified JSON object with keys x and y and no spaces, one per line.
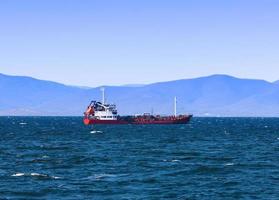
{"x":141,"y":120}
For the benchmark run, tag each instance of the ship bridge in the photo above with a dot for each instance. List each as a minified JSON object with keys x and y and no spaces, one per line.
{"x":105,"y":111}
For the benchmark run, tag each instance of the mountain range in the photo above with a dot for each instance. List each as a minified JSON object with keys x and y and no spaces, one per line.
{"x":215,"y":95}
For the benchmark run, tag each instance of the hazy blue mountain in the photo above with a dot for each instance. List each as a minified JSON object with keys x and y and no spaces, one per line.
{"x":217,"y":95}
{"x":134,"y":85}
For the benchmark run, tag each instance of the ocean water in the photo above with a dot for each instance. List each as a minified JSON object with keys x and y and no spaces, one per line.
{"x":209,"y":158}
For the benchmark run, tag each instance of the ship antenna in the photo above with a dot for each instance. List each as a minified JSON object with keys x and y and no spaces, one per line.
{"x":175,"y":102}
{"x":103,"y":95}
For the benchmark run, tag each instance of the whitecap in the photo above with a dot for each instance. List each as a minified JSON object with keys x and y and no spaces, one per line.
{"x":37,"y":174}
{"x":45,"y":157}
{"x":229,"y":164}
{"x":175,"y":161}
{"x":96,"y":132}
{"x":22,"y":123}
{"x":55,"y":177}
{"x":18,"y":174}
{"x":45,"y":175}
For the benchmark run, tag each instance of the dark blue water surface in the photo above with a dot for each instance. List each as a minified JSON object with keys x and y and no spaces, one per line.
{"x":209,"y":158}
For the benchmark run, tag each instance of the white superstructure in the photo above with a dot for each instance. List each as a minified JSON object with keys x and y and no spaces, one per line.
{"x":105,"y":111}
{"x":101,"y":110}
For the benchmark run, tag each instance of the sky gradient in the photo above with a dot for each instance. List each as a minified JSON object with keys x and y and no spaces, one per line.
{"x":102,"y":42}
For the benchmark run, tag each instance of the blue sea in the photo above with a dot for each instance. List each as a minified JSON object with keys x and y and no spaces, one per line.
{"x":209,"y":158}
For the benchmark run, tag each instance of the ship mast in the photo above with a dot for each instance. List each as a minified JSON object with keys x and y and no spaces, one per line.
{"x":103,"y":95}
{"x":175,"y":102}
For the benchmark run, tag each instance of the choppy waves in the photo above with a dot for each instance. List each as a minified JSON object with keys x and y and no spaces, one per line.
{"x":210,"y":158}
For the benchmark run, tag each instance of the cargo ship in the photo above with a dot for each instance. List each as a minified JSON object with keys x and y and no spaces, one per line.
{"x":104,"y":113}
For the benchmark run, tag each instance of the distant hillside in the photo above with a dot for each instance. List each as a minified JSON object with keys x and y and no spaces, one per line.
{"x":217,"y":95}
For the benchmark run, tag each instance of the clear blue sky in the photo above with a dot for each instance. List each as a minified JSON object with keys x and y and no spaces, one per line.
{"x":96,"y":42}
